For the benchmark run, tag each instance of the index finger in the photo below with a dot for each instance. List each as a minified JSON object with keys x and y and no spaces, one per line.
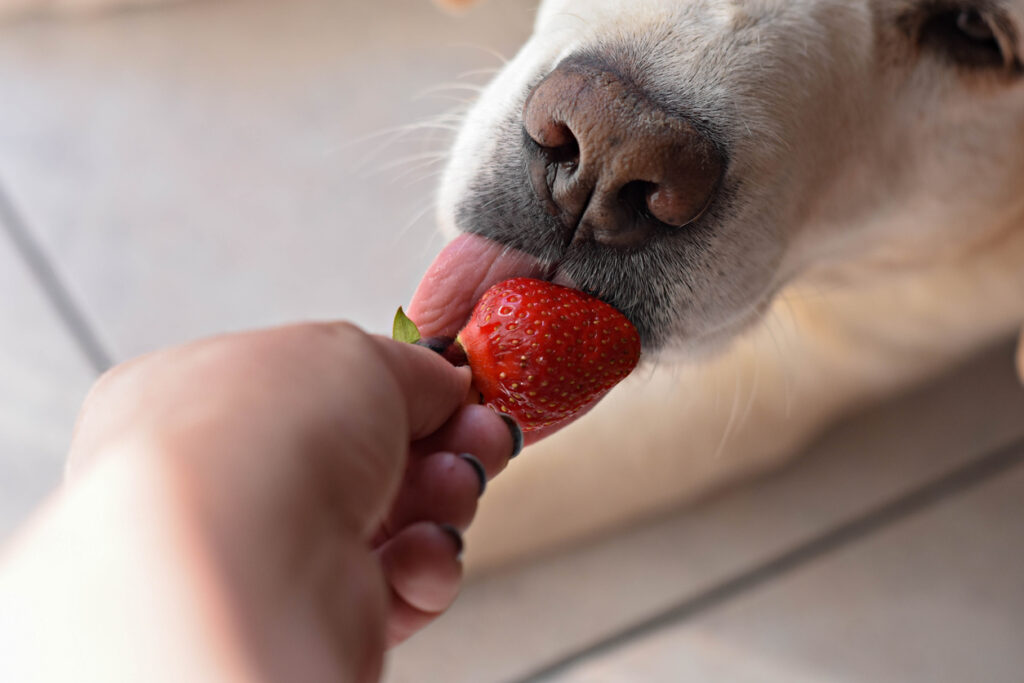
{"x":433,"y":390}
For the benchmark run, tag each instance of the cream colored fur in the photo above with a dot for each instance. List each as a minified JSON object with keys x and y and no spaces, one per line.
{"x":903,"y":248}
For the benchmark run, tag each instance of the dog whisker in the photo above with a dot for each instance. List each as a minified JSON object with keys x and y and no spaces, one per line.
{"x":440,"y":91}
{"x":403,"y":232}
{"x":753,"y":393}
{"x":573,"y":15}
{"x":413,"y":160}
{"x":423,"y":177}
{"x":444,"y":87}
{"x":448,"y":121}
{"x":488,"y":72}
{"x":463,"y":102}
{"x":410,"y":181}
{"x":785,"y":360}
{"x":734,"y":407}
{"x":731,"y":322}
{"x":446,"y":124}
{"x":402,"y":167}
{"x":485,"y":49}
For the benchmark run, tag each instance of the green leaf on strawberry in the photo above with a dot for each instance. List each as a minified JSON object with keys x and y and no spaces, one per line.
{"x":404,"y":329}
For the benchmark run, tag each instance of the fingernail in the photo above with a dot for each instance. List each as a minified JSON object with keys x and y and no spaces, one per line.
{"x":478,"y":467}
{"x":436,"y":344}
{"x":447,"y":348}
{"x":456,"y":538}
{"x":517,"y":435}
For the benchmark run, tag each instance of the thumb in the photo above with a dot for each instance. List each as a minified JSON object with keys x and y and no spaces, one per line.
{"x":432,"y":389}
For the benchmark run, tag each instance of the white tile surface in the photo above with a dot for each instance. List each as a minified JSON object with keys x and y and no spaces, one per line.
{"x":197,"y":168}
{"x":937,"y":597}
{"x":43,"y":378}
{"x":510,"y":624}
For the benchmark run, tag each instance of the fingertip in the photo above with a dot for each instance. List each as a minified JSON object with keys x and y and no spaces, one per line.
{"x":515,"y":434}
{"x":478,"y":430}
{"x":405,"y":618}
{"x":423,"y":567}
{"x":478,"y":470}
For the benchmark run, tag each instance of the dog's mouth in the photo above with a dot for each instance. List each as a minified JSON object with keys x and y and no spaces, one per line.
{"x":459,"y":276}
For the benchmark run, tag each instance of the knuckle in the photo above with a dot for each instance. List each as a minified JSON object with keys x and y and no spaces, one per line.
{"x":109,"y":383}
{"x":327,"y":334}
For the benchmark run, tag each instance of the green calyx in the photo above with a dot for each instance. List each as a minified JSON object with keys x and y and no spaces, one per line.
{"x":404,"y":329}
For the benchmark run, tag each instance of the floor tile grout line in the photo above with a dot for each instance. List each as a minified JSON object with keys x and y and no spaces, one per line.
{"x":945,"y":486}
{"x":56,"y":291}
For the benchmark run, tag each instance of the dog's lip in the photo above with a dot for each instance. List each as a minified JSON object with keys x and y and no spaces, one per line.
{"x":459,"y":276}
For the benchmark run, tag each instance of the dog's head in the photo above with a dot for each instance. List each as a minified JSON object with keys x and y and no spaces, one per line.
{"x":685,"y":160}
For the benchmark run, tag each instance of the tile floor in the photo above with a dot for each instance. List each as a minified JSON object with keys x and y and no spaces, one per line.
{"x":215,"y":165}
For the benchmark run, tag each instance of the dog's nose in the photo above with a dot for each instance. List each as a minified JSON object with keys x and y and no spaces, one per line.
{"x":610,"y":162}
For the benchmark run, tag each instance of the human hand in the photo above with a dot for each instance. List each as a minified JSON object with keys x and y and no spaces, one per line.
{"x":309,"y":467}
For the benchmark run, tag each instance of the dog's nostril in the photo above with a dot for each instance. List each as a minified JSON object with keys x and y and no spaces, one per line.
{"x":556,"y":141}
{"x":567,"y":155}
{"x":674,"y":207}
{"x":664,"y":204}
{"x":634,"y":195}
{"x":556,"y":135}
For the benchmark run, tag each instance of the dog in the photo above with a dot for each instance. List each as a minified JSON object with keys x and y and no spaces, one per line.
{"x":803,"y":206}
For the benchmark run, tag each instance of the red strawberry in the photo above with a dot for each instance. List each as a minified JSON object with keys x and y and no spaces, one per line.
{"x":538,"y":351}
{"x":541,"y":352}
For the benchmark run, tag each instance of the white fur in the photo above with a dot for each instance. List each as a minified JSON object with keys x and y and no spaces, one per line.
{"x":893,"y":242}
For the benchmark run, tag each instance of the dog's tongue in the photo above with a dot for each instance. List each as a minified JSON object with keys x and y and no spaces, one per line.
{"x":459,"y":276}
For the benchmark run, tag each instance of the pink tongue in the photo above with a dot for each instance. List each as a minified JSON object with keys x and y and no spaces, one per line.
{"x":459,"y":276}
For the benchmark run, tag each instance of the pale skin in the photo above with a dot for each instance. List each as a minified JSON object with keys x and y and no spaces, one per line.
{"x":260,"y":506}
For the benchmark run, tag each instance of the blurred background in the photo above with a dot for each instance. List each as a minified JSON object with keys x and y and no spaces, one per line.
{"x":182,"y":170}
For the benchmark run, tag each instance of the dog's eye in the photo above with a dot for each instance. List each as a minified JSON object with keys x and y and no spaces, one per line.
{"x":970,"y":37}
